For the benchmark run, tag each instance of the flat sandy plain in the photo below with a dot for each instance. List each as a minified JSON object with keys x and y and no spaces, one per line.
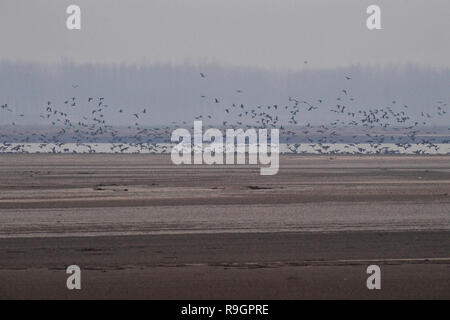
{"x":141,"y":227}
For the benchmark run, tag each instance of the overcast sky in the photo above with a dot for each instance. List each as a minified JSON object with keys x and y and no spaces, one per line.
{"x":275,"y":34}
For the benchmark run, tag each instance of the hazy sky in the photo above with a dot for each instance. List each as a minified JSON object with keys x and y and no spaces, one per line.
{"x":278,"y":34}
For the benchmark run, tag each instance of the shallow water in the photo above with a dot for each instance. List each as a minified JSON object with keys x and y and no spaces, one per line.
{"x":305,"y":148}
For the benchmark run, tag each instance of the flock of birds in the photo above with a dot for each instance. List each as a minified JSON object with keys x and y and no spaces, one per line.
{"x":362,"y":130}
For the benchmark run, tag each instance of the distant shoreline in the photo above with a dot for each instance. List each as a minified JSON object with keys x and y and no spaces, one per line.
{"x":294,"y":148}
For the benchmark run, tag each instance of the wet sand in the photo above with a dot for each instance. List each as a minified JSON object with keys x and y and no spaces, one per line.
{"x":140,"y":227}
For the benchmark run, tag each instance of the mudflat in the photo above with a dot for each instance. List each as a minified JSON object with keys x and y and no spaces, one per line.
{"x":140,"y":227}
